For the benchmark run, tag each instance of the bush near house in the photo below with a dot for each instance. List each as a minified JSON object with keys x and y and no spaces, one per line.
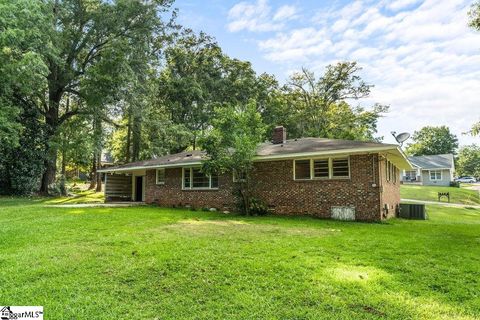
{"x":111,"y":263}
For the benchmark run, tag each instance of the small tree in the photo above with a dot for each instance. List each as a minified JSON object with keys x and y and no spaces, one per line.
{"x":474,"y":15}
{"x":433,"y":140}
{"x":231,"y":145}
{"x":468,"y":161}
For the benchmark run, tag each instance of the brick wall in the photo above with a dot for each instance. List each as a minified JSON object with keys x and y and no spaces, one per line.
{"x":316,"y":197}
{"x":390,"y":191}
{"x":171,"y":194}
{"x":274,"y":184}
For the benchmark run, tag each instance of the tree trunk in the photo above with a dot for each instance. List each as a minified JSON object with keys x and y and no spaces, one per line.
{"x":136,"y":137}
{"x":50,"y":162}
{"x":98,"y":174}
{"x":93,"y":173}
{"x":129,"y":137}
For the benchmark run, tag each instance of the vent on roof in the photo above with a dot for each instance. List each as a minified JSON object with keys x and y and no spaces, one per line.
{"x":188,"y":155}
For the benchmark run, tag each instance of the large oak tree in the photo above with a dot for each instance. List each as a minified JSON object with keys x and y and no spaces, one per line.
{"x":83,"y":48}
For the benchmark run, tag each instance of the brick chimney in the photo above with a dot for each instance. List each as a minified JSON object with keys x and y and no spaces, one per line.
{"x":279,"y":135}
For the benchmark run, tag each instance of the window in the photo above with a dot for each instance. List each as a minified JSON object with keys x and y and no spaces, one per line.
{"x":410,"y":175}
{"x":390,"y":172}
{"x":435,"y":175}
{"x":340,"y":168}
{"x":320,"y":168}
{"x":160,"y":176}
{"x":239,"y":176}
{"x":194,"y":178}
{"x":302,"y":169}
{"x":329,"y":168}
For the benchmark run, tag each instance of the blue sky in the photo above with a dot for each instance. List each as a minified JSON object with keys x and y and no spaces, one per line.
{"x":422,"y":58}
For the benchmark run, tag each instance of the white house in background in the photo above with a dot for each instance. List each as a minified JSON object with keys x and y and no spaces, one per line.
{"x":435,"y":170}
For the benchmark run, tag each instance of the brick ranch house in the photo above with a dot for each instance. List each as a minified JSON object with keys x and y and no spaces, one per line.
{"x":326,"y":178}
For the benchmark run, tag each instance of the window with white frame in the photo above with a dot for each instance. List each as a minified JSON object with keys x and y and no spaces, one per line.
{"x":435,"y":175}
{"x":160,"y":178}
{"x":411,"y":175}
{"x":303,"y":169}
{"x":340,"y":168}
{"x":391,"y":172}
{"x":326,"y":168}
{"x":194,"y":178}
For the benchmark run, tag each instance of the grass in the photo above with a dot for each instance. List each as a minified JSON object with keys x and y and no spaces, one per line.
{"x":84,"y":196}
{"x":430,"y":193}
{"x":154,"y":263}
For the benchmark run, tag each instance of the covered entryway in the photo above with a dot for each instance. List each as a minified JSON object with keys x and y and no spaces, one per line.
{"x":128,"y":186}
{"x":118,"y":187}
{"x":139,"y":189}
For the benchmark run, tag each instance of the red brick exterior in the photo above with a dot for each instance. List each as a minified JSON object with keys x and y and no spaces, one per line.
{"x":390,"y":192}
{"x":367,"y":190}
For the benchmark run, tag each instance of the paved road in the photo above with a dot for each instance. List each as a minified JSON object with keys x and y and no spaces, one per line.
{"x":456,"y":205}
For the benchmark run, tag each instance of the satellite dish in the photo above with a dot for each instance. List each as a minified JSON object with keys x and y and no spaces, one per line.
{"x":401,"y":137}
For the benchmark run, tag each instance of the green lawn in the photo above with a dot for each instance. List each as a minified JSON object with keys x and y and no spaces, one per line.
{"x":153,"y":263}
{"x":430,"y":193}
{"x":79,"y":196}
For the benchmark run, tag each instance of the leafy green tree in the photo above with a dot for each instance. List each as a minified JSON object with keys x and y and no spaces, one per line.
{"x":320,"y":107}
{"x":468,"y":161}
{"x":83,"y":48}
{"x":433,"y":140}
{"x":21,"y":164}
{"x":231,"y":144}
{"x":198,"y":77}
{"x":474,"y":15}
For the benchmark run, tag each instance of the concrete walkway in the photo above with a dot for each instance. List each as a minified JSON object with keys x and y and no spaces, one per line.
{"x":101,"y":205}
{"x":447,"y":204}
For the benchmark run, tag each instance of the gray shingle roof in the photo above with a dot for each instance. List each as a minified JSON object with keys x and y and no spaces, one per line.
{"x":309,"y":145}
{"x":267,"y":149}
{"x":438,"y":161}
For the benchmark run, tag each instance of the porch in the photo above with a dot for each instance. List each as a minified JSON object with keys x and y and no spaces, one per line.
{"x":125,"y":187}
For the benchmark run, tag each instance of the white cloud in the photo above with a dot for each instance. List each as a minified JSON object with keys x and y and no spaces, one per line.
{"x":259,"y":16}
{"x":421,"y":56}
{"x":401,"y":4}
{"x":285,"y":13}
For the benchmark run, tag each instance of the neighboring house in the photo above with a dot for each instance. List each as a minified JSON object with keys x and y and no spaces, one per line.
{"x":435,"y":170}
{"x":321,"y":177}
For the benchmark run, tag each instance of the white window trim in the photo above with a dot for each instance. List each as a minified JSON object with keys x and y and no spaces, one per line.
{"x":330,"y":169}
{"x":430,"y":175}
{"x":190,"y":170}
{"x":156,"y":176}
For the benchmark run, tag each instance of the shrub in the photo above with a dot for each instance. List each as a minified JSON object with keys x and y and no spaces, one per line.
{"x":455,"y":184}
{"x":258,"y":207}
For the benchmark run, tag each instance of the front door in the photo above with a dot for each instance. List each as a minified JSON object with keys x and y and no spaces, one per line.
{"x":138,"y":188}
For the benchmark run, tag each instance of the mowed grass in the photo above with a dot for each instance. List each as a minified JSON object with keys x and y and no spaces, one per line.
{"x":154,"y":263}
{"x":430,"y":193}
{"x":79,"y":196}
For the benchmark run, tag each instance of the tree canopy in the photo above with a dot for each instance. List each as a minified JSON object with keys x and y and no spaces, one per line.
{"x":433,"y":140}
{"x":85,"y":78}
{"x":468,"y":161}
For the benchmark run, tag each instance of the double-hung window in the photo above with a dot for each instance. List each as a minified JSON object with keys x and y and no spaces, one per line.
{"x":435,"y":175}
{"x":326,"y":168}
{"x":160,"y":176}
{"x":194,"y":178}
